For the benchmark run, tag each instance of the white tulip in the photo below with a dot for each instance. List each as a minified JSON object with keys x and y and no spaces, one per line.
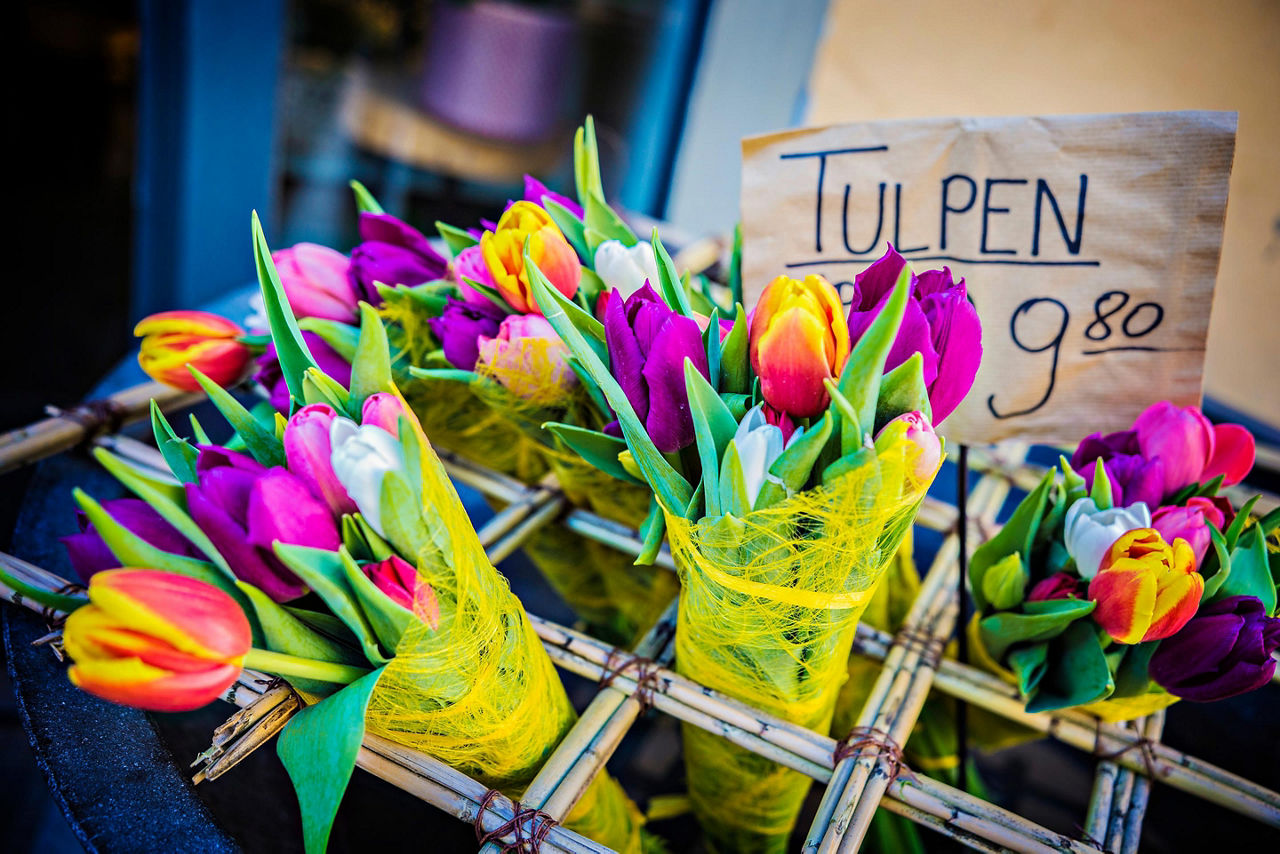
{"x":626,"y":268}
{"x":759,"y":445}
{"x":1088,"y":532}
{"x":362,"y":456}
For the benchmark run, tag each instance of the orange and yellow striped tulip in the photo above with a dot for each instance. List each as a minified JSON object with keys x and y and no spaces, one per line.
{"x":1146,"y":589}
{"x":156,"y":640}
{"x":503,"y":252}
{"x":171,"y":340}
{"x":798,"y":338}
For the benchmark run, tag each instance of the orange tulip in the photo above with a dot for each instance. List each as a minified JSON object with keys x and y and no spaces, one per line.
{"x":171,"y":340}
{"x":526,"y":223}
{"x":155,"y":640}
{"x":1146,"y":589}
{"x":798,"y":338}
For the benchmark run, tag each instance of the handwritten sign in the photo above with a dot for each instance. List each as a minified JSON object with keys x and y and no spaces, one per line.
{"x":1089,"y":244}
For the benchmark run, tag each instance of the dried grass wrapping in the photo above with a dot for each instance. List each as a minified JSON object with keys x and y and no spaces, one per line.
{"x":480,"y":692}
{"x":768,"y":608}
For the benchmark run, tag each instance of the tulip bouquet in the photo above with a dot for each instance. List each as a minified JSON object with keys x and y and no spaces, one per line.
{"x":787,"y":459}
{"x":328,"y":548}
{"x":1124,"y":582}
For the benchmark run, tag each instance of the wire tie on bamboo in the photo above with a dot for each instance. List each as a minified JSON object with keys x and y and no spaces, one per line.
{"x":929,"y":647}
{"x":1085,"y":837}
{"x":875,"y":743}
{"x":95,"y":417}
{"x":528,"y":827}
{"x":1145,"y":746}
{"x":618,"y":661}
{"x":54,"y":618}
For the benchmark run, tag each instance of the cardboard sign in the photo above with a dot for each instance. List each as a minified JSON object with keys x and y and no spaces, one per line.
{"x":1089,"y":244}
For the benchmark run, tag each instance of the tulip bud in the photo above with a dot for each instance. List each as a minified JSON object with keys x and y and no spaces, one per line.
{"x":915,"y":428}
{"x":309,"y":455}
{"x":1146,"y":589}
{"x":391,"y":252}
{"x":524,"y":223}
{"x":625,"y":269}
{"x":400,"y":581}
{"x":798,"y":338}
{"x":384,"y":409}
{"x":171,"y":340}
{"x":156,"y":640}
{"x":316,"y":283}
{"x":362,"y":457}
{"x":528,"y":357}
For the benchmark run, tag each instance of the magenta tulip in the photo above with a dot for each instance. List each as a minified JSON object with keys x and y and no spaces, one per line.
{"x":316,"y":283}
{"x":1060,"y":585}
{"x":470,"y":266}
{"x":1190,"y":522}
{"x":535,"y":191}
{"x":307,"y":449}
{"x":461,"y":327}
{"x":1133,"y":477}
{"x":89,"y":554}
{"x":401,"y":583}
{"x":392,"y":252}
{"x":383,"y":409}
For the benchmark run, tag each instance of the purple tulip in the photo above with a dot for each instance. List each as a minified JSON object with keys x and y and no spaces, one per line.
{"x":394,"y":253}
{"x":1133,"y":477}
{"x":244,"y":508}
{"x":535,"y":191}
{"x":88,"y":552}
{"x":1226,"y":649}
{"x":271,"y":377}
{"x":648,"y":343}
{"x":939,"y":323}
{"x":308,"y":452}
{"x":461,"y":327}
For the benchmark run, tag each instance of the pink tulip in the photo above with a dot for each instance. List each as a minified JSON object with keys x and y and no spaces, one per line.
{"x":383,"y":409}
{"x":1180,"y":436}
{"x":1060,"y":585}
{"x":316,"y":282}
{"x":470,"y":264}
{"x":308,"y":452}
{"x":1191,"y":523}
{"x":528,"y":357}
{"x":401,"y":583}
{"x":917,"y":430}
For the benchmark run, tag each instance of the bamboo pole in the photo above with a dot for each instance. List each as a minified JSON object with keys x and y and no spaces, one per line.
{"x":64,"y":430}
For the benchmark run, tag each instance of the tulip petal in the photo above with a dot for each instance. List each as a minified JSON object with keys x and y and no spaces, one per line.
{"x":625,"y":357}
{"x":791,"y":364}
{"x":129,"y":682}
{"x":669,"y":421}
{"x":194,"y":617}
{"x":1233,"y":454}
{"x":385,"y":228}
{"x":957,"y":337}
{"x":1125,"y":600}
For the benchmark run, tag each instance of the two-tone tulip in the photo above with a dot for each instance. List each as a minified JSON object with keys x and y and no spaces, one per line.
{"x":522,"y":225}
{"x":528,"y":358}
{"x":798,"y":338}
{"x":916,"y":429}
{"x":400,"y":582}
{"x":245,"y":508}
{"x":156,"y":640}
{"x":392,"y":252}
{"x":648,"y":343}
{"x":309,"y":456}
{"x":316,"y":283}
{"x":172,"y":340}
{"x":1192,"y":449}
{"x":89,"y":553}
{"x":1146,"y":589}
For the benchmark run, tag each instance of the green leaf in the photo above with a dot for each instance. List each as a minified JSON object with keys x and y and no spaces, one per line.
{"x":713,"y":429}
{"x":294,"y":356}
{"x":1028,"y":663}
{"x":1251,"y":571}
{"x":589,"y":385}
{"x":342,"y":337}
{"x":261,"y":443}
{"x":1075,"y":484}
{"x":795,"y":464}
{"x":842,"y":465}
{"x":1270,"y":522}
{"x":488,"y":292}
{"x":1043,"y":620}
{"x":371,"y":370}
{"x":329,"y":626}
{"x":378,"y":547}
{"x":177,"y":452}
{"x":1005,"y":582}
{"x":698,"y":297}
{"x":672,"y":489}
{"x":735,"y":265}
{"x":599,"y":449}
{"x":1076,"y":671}
{"x":389,"y":620}
{"x":603,"y":224}
{"x":861,"y":377}
{"x":735,"y":366}
{"x":353,"y":539}
{"x":672,"y":290}
{"x":1232,"y":534}
{"x":322,"y":388}
{"x":590,"y":287}
{"x":450,"y":374}
{"x":167,"y":500}
{"x":197,"y":431}
{"x":320,"y":774}
{"x":47,"y":598}
{"x":1101,"y":492}
{"x":738,"y":404}
{"x":1131,"y":677}
{"x":711,"y":340}
{"x":733,"y":486}
{"x":1210,"y":489}
{"x":1212,"y":583}
{"x":1018,"y":535}
{"x":571,"y":227}
{"x":324,"y":572}
{"x":365,"y":202}
{"x":457,"y":239}
{"x":586,"y":162}
{"x":286,"y":633}
{"x":652,"y":530}
{"x":903,"y":390}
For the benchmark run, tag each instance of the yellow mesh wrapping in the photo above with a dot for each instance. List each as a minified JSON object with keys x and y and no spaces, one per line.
{"x":480,"y":692}
{"x":768,"y":608}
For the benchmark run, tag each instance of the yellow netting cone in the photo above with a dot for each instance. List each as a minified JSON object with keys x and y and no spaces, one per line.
{"x":479,"y":692}
{"x":768,"y":608}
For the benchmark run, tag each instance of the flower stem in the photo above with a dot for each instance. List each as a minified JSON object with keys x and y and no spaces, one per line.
{"x":279,"y":664}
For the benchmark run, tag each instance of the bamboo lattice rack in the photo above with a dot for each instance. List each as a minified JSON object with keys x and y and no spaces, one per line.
{"x":1132,"y":755}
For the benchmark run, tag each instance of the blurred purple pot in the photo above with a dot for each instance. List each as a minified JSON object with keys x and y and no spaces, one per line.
{"x":498,"y":69}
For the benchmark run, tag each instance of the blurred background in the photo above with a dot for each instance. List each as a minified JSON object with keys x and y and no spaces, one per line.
{"x":148,"y":129}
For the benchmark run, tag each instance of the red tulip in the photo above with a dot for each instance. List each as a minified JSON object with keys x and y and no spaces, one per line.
{"x":401,"y":583}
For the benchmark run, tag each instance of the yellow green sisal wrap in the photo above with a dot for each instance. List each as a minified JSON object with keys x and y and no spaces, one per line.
{"x":768,"y":608}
